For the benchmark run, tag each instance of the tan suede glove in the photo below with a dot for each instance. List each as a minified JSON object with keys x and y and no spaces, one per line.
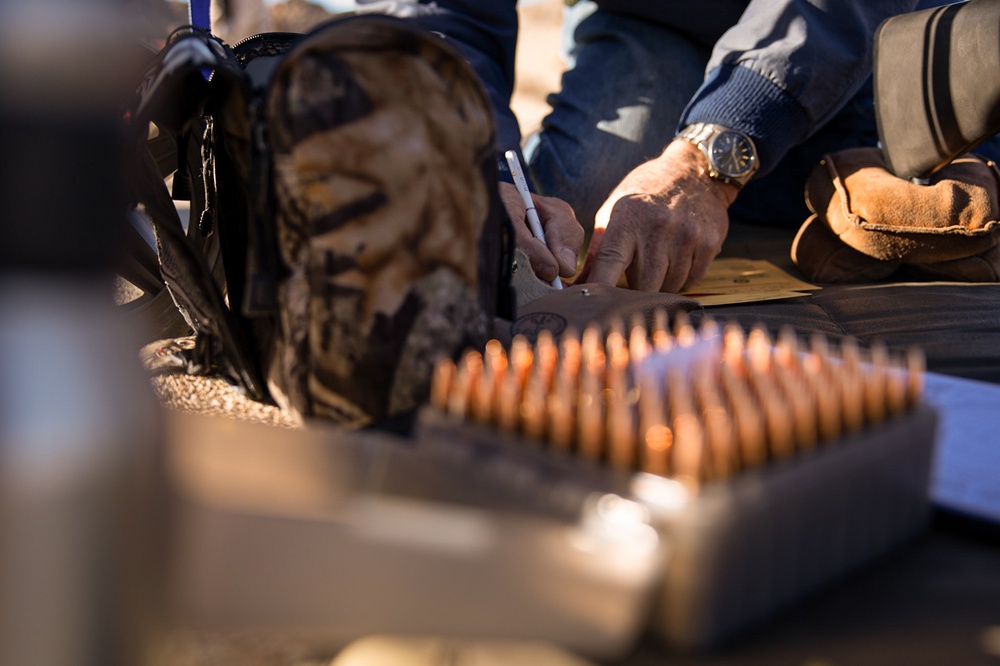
{"x":868,"y":223}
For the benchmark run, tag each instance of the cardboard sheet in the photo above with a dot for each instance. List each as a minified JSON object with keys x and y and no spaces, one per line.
{"x":735,"y":280}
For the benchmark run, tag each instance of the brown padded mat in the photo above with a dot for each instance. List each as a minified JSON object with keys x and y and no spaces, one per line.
{"x":956,"y":324}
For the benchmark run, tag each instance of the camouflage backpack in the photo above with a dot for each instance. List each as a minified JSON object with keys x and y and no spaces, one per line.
{"x":351,"y":176}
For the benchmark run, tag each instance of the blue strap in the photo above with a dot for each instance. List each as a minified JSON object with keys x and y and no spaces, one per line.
{"x":200,"y":14}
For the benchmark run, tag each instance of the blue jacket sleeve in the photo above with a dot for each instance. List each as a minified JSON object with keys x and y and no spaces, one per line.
{"x":787,"y":67}
{"x":484,"y":32}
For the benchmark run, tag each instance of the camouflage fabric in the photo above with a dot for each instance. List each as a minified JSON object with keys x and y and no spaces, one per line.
{"x":379,"y":134}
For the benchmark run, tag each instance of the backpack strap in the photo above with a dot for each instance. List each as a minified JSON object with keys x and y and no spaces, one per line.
{"x":174,"y":95}
{"x":258,"y":56}
{"x":200,"y":14}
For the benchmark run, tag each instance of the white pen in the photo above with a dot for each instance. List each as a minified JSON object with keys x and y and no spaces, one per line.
{"x":532,"y":215}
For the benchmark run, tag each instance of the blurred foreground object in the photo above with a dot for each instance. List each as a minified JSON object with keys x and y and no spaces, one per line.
{"x":321,"y":536}
{"x":573,"y":492}
{"x":770,"y":468}
{"x":76,"y":416}
{"x":937,"y":87}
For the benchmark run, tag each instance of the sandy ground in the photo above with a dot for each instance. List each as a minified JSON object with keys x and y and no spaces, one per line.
{"x":539,"y":63}
{"x":539,"y":66}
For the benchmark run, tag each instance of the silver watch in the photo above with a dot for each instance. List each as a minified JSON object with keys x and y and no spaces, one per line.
{"x":732,"y":157}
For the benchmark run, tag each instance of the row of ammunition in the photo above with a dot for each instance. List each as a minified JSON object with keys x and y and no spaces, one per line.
{"x":692,"y":404}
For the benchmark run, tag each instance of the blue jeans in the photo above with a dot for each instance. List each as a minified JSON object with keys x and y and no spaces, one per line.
{"x":621,"y":100}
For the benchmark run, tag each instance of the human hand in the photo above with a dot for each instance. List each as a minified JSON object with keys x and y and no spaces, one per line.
{"x":563,"y":234}
{"x":662,"y":225}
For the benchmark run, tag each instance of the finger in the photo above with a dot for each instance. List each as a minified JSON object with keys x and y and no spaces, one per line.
{"x":649,"y":265}
{"x":646,"y":273}
{"x":543,"y":263}
{"x":676,"y":275}
{"x":682,"y":247}
{"x":588,"y":262}
{"x":563,"y":233}
{"x":699,"y":267}
{"x":613,"y":255}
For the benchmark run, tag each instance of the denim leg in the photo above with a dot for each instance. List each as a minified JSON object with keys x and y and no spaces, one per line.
{"x":989,"y":148}
{"x":621,"y":99}
{"x":618,"y":107}
{"x":778,"y":198}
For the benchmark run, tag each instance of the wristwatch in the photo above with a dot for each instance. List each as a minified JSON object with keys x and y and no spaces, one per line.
{"x":732,"y":157}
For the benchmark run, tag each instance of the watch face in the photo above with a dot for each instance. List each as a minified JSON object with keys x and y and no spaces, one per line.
{"x":732,"y":154}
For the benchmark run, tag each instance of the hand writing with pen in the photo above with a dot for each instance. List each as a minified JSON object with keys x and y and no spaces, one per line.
{"x":545,"y":228}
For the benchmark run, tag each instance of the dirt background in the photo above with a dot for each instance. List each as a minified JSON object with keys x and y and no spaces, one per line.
{"x":539,"y":64}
